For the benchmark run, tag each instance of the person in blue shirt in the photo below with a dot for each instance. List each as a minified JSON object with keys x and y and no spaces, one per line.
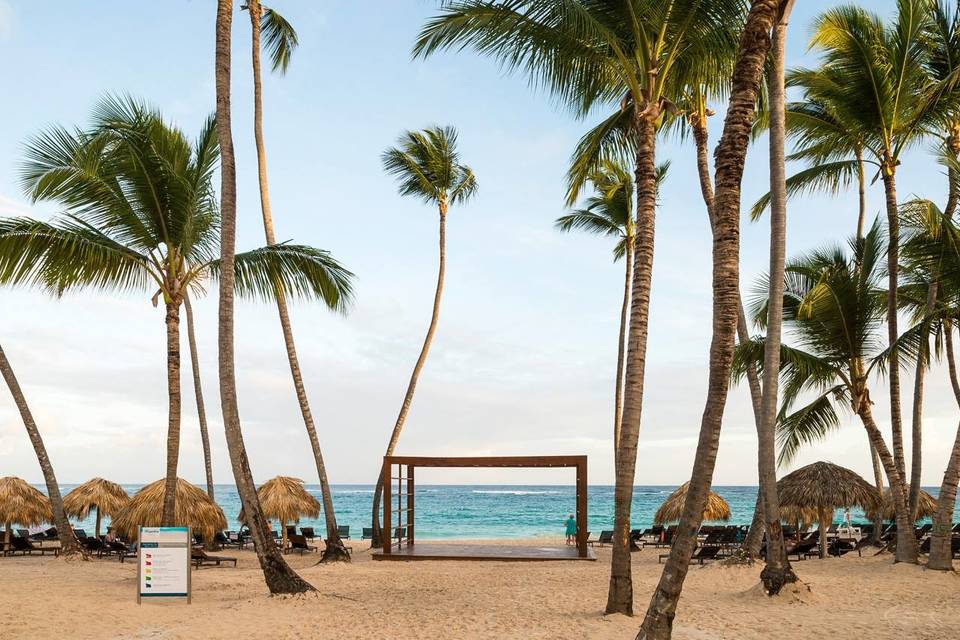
{"x":571,"y":530}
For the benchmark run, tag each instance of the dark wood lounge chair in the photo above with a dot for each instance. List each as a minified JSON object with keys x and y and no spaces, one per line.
{"x":307,"y":532}
{"x":344,"y":531}
{"x":25,"y":547}
{"x":606,"y":537}
{"x":701,"y":555}
{"x":200,"y":558}
{"x":299,"y":543}
{"x":367,"y":533}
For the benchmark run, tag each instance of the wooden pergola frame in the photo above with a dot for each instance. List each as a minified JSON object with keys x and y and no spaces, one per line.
{"x":412,"y":462}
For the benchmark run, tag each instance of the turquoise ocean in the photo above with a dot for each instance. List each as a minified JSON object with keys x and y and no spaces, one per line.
{"x":495,"y":511}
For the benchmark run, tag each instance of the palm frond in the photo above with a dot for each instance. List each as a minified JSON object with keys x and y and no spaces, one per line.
{"x":279,"y":39}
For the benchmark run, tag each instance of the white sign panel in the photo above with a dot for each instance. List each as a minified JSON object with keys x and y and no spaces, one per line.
{"x":163,"y":563}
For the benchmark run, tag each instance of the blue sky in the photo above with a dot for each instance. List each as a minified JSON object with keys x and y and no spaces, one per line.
{"x":524,"y":359}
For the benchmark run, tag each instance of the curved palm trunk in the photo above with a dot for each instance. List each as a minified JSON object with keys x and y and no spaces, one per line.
{"x":906,"y":541}
{"x":893,"y":266}
{"x":173,"y":423}
{"x":378,"y":538}
{"x":750,"y":548}
{"x":198,"y":392}
{"x":334,"y":548}
{"x":777,"y":571}
{"x":280,"y":578}
{"x":730,"y":159}
{"x":620,"y":593}
{"x":941,"y":553}
{"x":621,"y":348}
{"x":878,"y":482}
{"x":68,"y":540}
{"x":916,"y":435}
{"x":861,"y":192}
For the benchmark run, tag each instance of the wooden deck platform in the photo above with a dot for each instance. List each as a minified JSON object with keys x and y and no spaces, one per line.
{"x":493,"y":551}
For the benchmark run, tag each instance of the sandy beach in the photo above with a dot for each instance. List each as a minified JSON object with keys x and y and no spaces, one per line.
{"x":855,"y":597}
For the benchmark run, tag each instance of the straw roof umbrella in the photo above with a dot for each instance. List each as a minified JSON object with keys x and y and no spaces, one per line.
{"x":194,"y":508}
{"x":926,"y":507}
{"x":283,"y":498}
{"x":22,"y":504}
{"x":716,"y":509}
{"x":824,"y":486}
{"x":108,"y":498}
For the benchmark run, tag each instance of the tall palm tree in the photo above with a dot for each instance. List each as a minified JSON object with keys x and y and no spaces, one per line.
{"x":68,"y":540}
{"x":142,"y":216}
{"x":730,"y":160}
{"x":280,"y":39}
{"x":872,"y":72}
{"x":198,"y":394}
{"x":589,"y":53}
{"x":280,"y":578}
{"x":610,"y":212}
{"x":427,"y":166}
{"x":835,"y":308}
{"x":777,"y":570}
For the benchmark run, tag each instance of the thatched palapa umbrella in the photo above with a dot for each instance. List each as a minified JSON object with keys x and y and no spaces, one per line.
{"x":108,"y":498}
{"x":22,"y":504}
{"x":824,"y":486}
{"x":283,"y":498}
{"x":926,"y":506}
{"x":716,"y":509}
{"x":194,"y":508}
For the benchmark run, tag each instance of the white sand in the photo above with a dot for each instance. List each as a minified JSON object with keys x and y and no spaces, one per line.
{"x":851,"y":597}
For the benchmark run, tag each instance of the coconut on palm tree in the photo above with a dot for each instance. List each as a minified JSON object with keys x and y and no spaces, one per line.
{"x":278,"y":575}
{"x":141,"y":215}
{"x":280,"y":39}
{"x":590,"y":54}
{"x":609,"y":212}
{"x":427,"y":166}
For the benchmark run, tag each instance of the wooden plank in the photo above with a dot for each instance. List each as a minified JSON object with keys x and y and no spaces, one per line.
{"x":387,"y":531}
{"x":582,"y":508}
{"x":484,"y":552}
{"x":489,"y":461}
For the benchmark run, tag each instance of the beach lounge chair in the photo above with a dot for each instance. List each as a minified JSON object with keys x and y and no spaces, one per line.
{"x":344,"y":531}
{"x":400,"y":533}
{"x":701,"y":555}
{"x":299,"y":543}
{"x":666,"y":538}
{"x":118,"y":548}
{"x":199,"y":558}
{"x":80,"y":533}
{"x":367,"y":533}
{"x":291,"y":531}
{"x":24,"y":547}
{"x":307,"y":532}
{"x":606,"y":537}
{"x":804,"y":548}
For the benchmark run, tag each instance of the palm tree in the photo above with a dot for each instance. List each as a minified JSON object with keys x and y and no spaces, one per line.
{"x":835,"y":308}
{"x":588,"y":53}
{"x":777,"y":570}
{"x":610,"y":213}
{"x":873,"y":74}
{"x":427,"y":166}
{"x":280,"y":39}
{"x":730,"y":159}
{"x":280,"y":578}
{"x":198,"y":394}
{"x":142,"y":216}
{"x":68,"y":540}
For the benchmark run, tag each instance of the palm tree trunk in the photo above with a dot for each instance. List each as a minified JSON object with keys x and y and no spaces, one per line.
{"x":378,"y":538}
{"x":878,"y":482}
{"x":174,"y":405}
{"x":893,"y":371}
{"x":280,"y":578}
{"x":825,"y":519}
{"x":941,"y":553}
{"x":620,"y":593}
{"x":198,"y":392}
{"x":68,"y":540}
{"x":730,"y":159}
{"x":906,"y":541}
{"x":862,"y":193}
{"x":750,"y":548}
{"x":334,"y":550}
{"x":621,"y":348}
{"x":916,"y":436}
{"x":777,"y":571}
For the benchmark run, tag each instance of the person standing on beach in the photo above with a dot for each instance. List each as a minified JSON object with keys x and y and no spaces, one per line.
{"x":571,"y":529}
